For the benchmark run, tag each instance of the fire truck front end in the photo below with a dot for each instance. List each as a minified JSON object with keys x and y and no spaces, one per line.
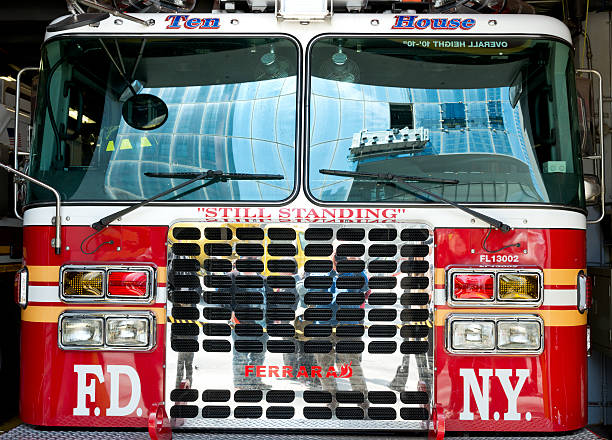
{"x":363,"y":221}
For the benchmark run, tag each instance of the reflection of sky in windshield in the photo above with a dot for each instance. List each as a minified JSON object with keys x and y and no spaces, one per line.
{"x":248,"y":128}
{"x":488,"y":124}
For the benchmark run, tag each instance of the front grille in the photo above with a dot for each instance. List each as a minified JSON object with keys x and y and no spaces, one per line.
{"x":257,"y":309}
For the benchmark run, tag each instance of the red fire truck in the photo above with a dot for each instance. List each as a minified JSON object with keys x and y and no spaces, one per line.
{"x":305,"y":219}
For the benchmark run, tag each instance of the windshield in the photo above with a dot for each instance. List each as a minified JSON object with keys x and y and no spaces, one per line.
{"x":227,"y":104}
{"x":495,"y":114}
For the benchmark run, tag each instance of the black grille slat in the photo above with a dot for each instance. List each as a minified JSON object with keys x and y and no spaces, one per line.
{"x":382,"y":282}
{"x":382,"y":315}
{"x":250,"y":396}
{"x":318,"y":234}
{"x":216,"y":395}
{"x":317,"y":397}
{"x":217,"y":265}
{"x":280,"y":412}
{"x":218,"y":281}
{"x":248,"y":412}
{"x":382,"y":250}
{"x":216,"y":346}
{"x":184,"y":395}
{"x":318,"y":266}
{"x":350,"y":250}
{"x":248,"y":346}
{"x":218,"y":233}
{"x":382,"y":266}
{"x":414,"y":235}
{"x":317,"y":346}
{"x":185,"y":313}
{"x":348,"y":331}
{"x":414,"y":283}
{"x":414,"y":315}
{"x":218,"y":249}
{"x":216,"y":297}
{"x":350,"y":298}
{"x":414,"y":413}
{"x":281,"y":298}
{"x":249,"y":249}
{"x":349,"y":397}
{"x":382,"y":298}
{"x":280,"y":314}
{"x":317,"y":412}
{"x":185,"y":330}
{"x":185,"y":297}
{"x":249,"y":314}
{"x":281,"y":234}
{"x":185,"y":281}
{"x":186,"y":249}
{"x":350,"y":234}
{"x":381,"y":413}
{"x":216,"y":412}
{"x":249,"y":297}
{"x":318,"y":282}
{"x":216,"y":329}
{"x":249,"y":233}
{"x":414,"y":299}
{"x":350,"y":266}
{"x":248,"y":330}
{"x":350,"y":282}
{"x":249,"y":265}
{"x":350,"y":347}
{"x":281,"y":250}
{"x":249,"y":281}
{"x":382,"y":331}
{"x":414,"y":347}
{"x":414,"y":331}
{"x":285,"y":330}
{"x":382,"y":347}
{"x":186,"y":233}
{"x":382,"y":234}
{"x":184,"y":345}
{"x":414,"y":266}
{"x":216,"y":313}
{"x":185,"y":265}
{"x":317,"y":330}
{"x":414,"y":397}
{"x":282,"y":266}
{"x":318,"y":298}
{"x":280,"y":282}
{"x":382,"y":397}
{"x":414,"y":250}
{"x":350,"y":314}
{"x":281,"y":346}
{"x":318,"y":250}
{"x":184,"y":411}
{"x":350,"y":413}
{"x":317,"y":314}
{"x":280,"y":396}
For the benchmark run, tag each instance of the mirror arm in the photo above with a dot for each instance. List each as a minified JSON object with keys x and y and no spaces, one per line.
{"x":601,"y":156}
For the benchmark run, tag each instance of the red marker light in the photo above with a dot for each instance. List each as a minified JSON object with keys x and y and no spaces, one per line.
{"x":470,"y":286}
{"x":128,"y":283}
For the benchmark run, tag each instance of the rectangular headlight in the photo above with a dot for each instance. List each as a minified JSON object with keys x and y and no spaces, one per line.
{"x":81,"y":331}
{"x":473,"y":335}
{"x":518,"y":286}
{"x":127,"y":332}
{"x":83,"y":283}
{"x":519,"y":335}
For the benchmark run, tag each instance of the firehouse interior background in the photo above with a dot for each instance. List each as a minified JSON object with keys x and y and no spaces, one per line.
{"x":22,"y":28}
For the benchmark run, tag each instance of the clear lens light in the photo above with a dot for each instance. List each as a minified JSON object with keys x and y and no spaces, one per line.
{"x":473,"y":335}
{"x":522,"y":335}
{"x":127,"y":332}
{"x":82,"y":332}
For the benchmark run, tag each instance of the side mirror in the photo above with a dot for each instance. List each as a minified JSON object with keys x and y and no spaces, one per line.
{"x":592,"y":189}
{"x":145,"y":112}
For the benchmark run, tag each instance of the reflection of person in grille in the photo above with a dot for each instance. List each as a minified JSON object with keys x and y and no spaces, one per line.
{"x":184,"y":368}
{"x":424,"y":368}
{"x":333,"y":358}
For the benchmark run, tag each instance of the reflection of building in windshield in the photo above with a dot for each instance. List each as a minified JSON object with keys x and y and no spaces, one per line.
{"x":456,"y":122}
{"x":247,"y":128}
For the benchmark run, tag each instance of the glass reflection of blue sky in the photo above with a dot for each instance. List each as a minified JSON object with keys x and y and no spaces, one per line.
{"x":340,"y":109}
{"x":246,"y":128}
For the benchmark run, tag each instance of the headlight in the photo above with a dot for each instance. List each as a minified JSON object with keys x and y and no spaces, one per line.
{"x":473,"y":335}
{"x":79,"y":331}
{"x":519,"y":335}
{"x":519,"y":286}
{"x":83,"y":283}
{"x":127,"y":332}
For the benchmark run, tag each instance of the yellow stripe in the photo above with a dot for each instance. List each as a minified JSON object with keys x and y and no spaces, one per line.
{"x":162,"y":275}
{"x":553,"y":318}
{"x":10,"y":267}
{"x":43,"y":274}
{"x":51,"y":313}
{"x":5,"y":250}
{"x":551,"y":276}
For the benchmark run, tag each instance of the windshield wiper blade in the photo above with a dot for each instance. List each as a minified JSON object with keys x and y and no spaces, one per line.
{"x":213,"y":176}
{"x":417,"y":189}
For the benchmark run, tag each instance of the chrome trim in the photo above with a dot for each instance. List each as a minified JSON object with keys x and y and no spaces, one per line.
{"x":106,"y":298}
{"x":496,"y":302}
{"x":22,"y":297}
{"x":496,"y":319}
{"x":93,"y":314}
{"x":581,"y":291}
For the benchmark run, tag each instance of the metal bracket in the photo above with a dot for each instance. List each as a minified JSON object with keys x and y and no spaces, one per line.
{"x":159,"y":424}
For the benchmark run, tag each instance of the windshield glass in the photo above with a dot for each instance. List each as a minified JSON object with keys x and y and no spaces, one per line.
{"x":227,"y":104}
{"x":496,"y":114}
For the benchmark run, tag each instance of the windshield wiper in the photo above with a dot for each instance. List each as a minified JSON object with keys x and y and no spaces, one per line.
{"x":392,"y":178}
{"x":213,"y":176}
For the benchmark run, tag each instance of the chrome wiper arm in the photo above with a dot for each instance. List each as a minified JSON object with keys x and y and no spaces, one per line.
{"x":393,"y":178}
{"x":214,"y":176}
